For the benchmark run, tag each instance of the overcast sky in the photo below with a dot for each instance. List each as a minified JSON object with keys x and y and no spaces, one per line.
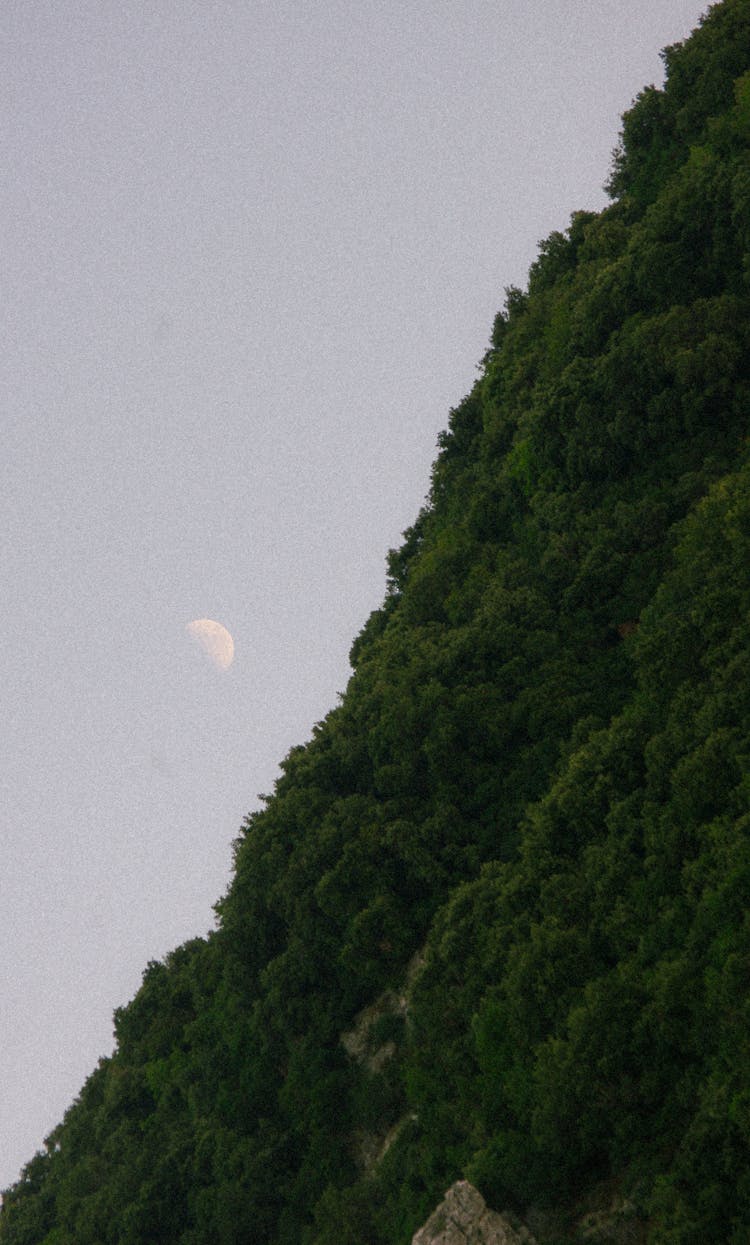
{"x":251,"y":255}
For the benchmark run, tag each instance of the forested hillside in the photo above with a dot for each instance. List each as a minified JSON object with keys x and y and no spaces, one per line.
{"x":494,"y":921}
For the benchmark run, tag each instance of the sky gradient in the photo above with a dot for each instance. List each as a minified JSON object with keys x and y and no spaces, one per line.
{"x":251,"y":257}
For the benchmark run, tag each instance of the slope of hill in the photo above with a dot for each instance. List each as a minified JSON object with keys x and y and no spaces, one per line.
{"x":493,"y":921}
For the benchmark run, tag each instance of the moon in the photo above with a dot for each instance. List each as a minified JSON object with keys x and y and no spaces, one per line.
{"x":214,"y":639}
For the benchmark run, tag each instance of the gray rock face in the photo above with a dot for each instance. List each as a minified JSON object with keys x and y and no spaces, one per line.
{"x":463,"y":1218}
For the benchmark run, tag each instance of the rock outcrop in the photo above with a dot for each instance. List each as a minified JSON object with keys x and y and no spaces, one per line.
{"x":368,"y":1044}
{"x":463,"y":1218}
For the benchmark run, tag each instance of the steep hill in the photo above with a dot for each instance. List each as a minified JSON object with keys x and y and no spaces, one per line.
{"x":493,"y":923}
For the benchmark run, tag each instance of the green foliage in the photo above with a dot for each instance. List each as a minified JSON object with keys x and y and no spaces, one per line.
{"x":516,"y":856}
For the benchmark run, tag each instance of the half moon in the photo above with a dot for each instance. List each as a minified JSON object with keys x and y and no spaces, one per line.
{"x":214,"y":639}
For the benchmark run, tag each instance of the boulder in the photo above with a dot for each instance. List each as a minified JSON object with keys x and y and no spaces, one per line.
{"x":463,"y":1218}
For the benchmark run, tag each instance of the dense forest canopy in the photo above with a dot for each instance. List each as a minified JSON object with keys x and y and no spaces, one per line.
{"x":493,"y":921}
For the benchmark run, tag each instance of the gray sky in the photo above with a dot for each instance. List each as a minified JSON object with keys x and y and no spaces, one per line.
{"x":251,"y":254}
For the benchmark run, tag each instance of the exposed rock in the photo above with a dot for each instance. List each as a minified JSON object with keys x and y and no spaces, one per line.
{"x":370,"y":1148}
{"x":463,"y":1218}
{"x":370,"y":1043}
{"x":361,"y":1042}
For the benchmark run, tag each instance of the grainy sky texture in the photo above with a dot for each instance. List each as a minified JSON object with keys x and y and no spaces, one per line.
{"x":251,"y":253}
